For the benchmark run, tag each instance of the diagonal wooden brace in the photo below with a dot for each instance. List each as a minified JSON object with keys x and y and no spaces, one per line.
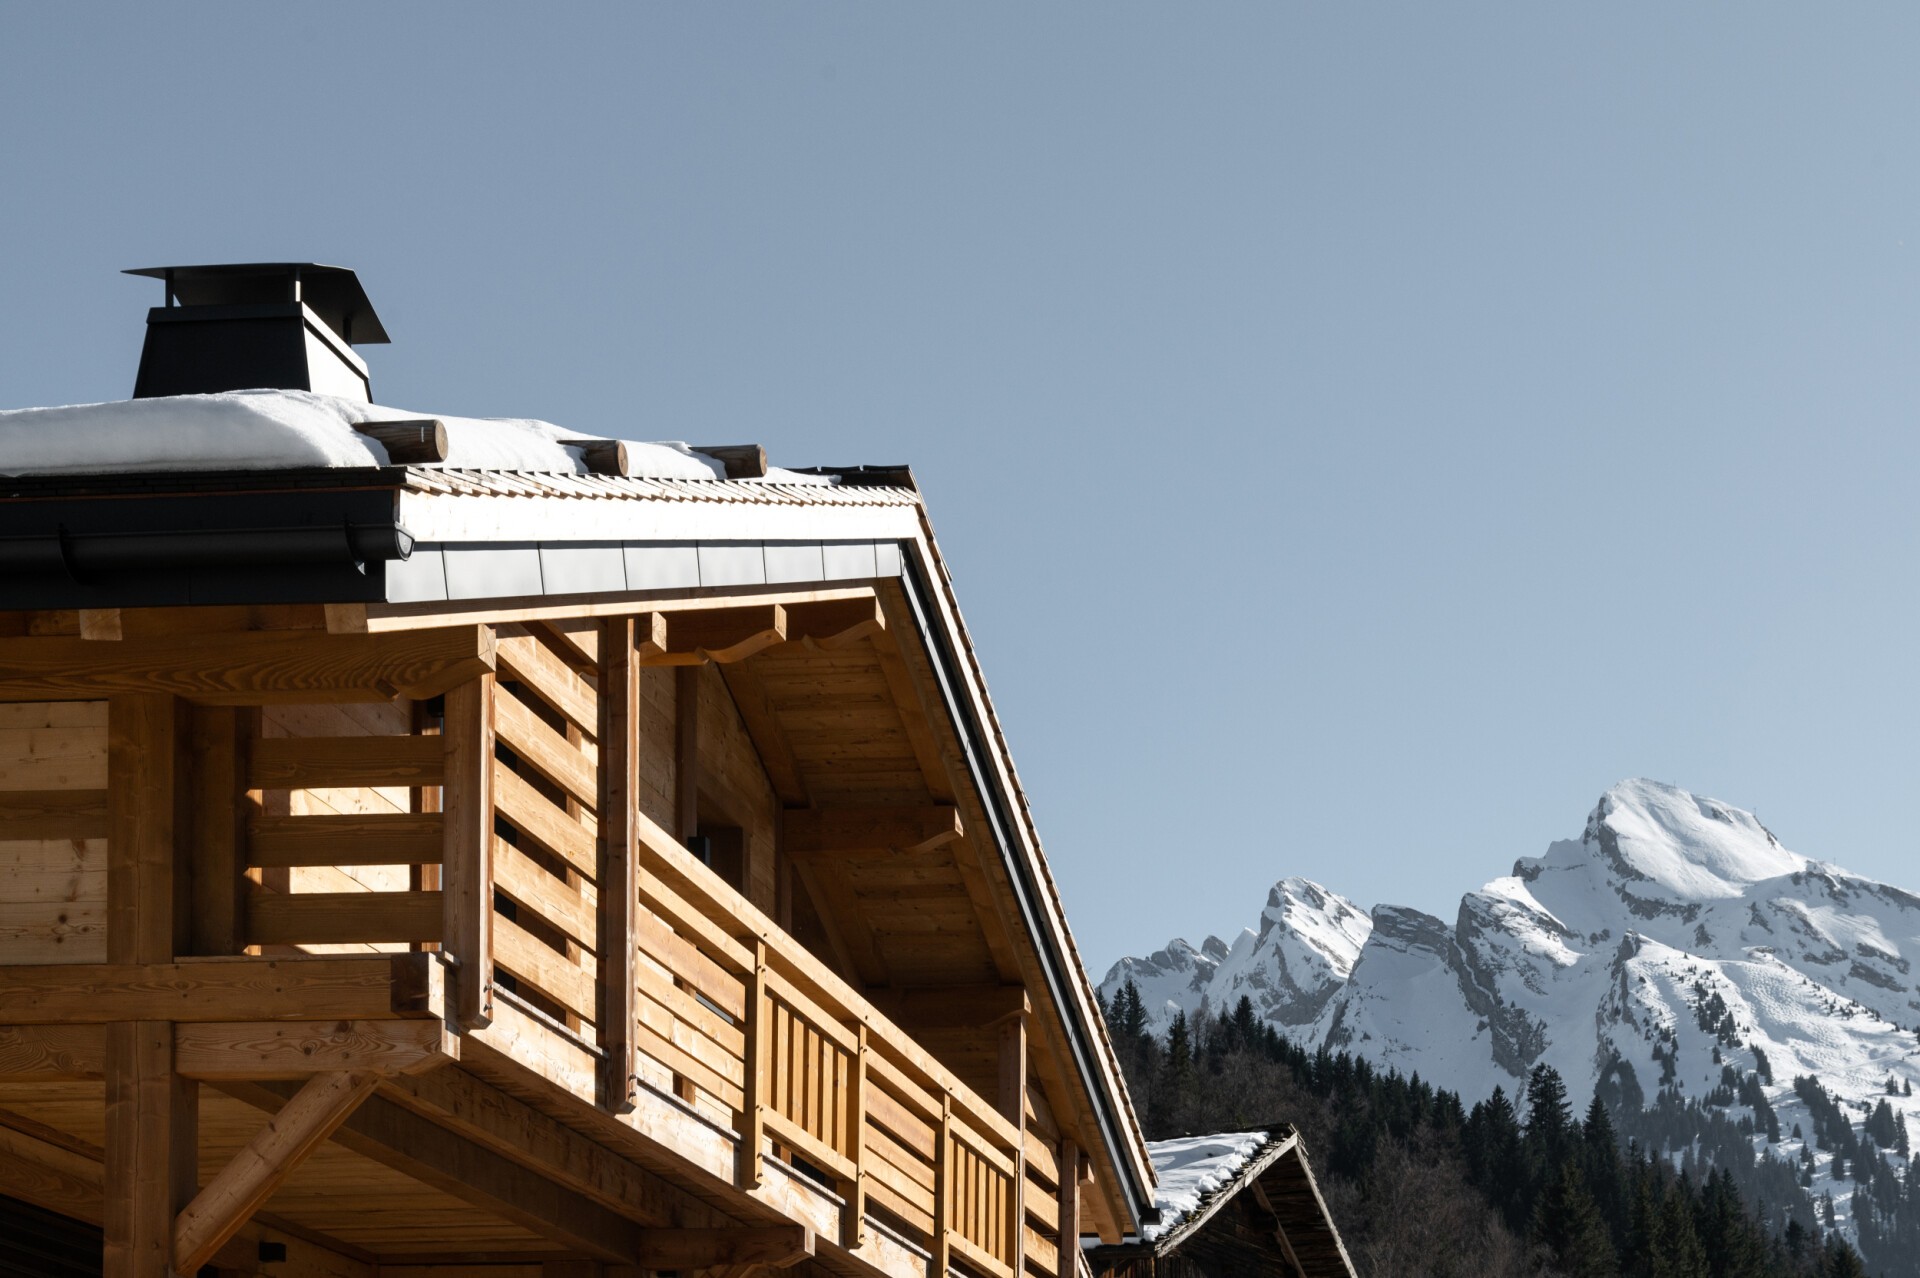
{"x":232,"y":1196}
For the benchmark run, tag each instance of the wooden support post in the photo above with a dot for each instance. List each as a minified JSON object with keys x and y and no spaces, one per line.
{"x":753,"y":1119}
{"x":1069,"y":1166}
{"x":466,"y":864}
{"x":220,"y":736}
{"x":854,"y":1228}
{"x":1013,"y":1107}
{"x":619,"y":726}
{"x":147,"y":902}
{"x":943,"y":1188}
{"x":230,"y":1199}
{"x":686,"y":751}
{"x":152,"y":1113}
{"x":152,"y":1145}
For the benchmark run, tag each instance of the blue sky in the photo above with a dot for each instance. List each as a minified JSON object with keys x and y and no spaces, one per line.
{"x":1360,"y":433}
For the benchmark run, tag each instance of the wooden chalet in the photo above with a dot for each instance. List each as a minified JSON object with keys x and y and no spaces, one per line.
{"x":1231,"y":1206}
{"x":479,"y":851}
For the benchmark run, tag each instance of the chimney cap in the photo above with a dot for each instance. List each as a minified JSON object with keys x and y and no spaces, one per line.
{"x":331,"y":292}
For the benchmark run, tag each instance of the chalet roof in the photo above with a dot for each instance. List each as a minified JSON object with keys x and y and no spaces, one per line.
{"x":1200,"y":1175}
{"x":296,"y":505}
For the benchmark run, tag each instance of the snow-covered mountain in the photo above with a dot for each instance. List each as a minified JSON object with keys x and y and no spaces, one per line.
{"x":1675,"y":937}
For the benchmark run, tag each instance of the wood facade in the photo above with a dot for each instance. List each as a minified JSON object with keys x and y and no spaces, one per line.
{"x":597,"y":936}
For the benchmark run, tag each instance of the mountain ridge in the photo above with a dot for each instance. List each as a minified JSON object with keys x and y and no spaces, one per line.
{"x":1676,"y":945}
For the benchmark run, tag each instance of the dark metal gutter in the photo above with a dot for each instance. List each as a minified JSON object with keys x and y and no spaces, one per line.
{"x":181,"y":539}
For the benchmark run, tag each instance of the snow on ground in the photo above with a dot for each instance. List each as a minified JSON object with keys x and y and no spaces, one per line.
{"x":283,"y":429}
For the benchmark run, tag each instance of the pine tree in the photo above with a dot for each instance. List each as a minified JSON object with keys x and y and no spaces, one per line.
{"x":1676,"y":1250}
{"x":1569,"y":1225}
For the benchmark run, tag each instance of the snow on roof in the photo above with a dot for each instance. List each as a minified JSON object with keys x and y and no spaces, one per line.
{"x":1189,"y":1168}
{"x":286,"y":429}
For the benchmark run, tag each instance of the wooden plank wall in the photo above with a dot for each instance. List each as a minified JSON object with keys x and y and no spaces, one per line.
{"x":374,"y":719}
{"x":53,"y":826}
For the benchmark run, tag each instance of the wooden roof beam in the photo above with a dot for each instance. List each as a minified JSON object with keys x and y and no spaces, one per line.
{"x":859,"y":829}
{"x":248,"y":668}
{"x":770,"y":742}
{"x":830,"y":624}
{"x":693,"y":638}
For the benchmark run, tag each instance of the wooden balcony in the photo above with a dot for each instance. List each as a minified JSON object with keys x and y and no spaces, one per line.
{"x":588,"y":962}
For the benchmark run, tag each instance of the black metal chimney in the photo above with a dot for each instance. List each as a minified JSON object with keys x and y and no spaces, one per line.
{"x":290,"y":325}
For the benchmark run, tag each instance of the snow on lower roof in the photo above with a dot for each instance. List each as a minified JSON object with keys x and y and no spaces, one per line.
{"x":284,"y":430}
{"x":1191,"y":1167}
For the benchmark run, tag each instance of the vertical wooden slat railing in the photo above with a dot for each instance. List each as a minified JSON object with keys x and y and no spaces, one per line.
{"x":824,"y":1083}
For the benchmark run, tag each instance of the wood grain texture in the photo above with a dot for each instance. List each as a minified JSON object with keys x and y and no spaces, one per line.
{"x":617,"y":724}
{"x":327,"y":763}
{"x":340,"y":918}
{"x":151,"y":1145}
{"x":694,"y":638}
{"x":230,"y":1199}
{"x":249,"y":668}
{"x":53,"y":814}
{"x":465,"y":868}
{"x":377,"y":986}
{"x":296,"y":1049}
{"x":397,"y":838}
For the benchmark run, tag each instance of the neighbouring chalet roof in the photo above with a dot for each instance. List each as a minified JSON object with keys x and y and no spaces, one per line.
{"x":273,"y":496}
{"x":1200,"y":1175}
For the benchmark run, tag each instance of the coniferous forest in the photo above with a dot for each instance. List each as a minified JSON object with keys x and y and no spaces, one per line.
{"x":1419,"y":1185}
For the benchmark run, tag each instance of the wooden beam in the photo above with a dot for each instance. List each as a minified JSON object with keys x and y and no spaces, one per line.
{"x":834,"y":623}
{"x":1069,"y":1207}
{"x":1013,"y":1107}
{"x":686,"y":752}
{"x":248,"y":668}
{"x":151,"y":1148}
{"x":939,"y":1007}
{"x":742,"y":461}
{"x":465,"y":868}
{"x":240,"y":1188}
{"x":148,"y":908}
{"x":602,"y":456}
{"x":848,"y":931}
{"x":774,"y":1246}
{"x":397,"y":1138}
{"x":53,"y":814}
{"x":415,"y":442}
{"x":718,"y":634}
{"x":212,"y":1050}
{"x":297,"y":1049}
{"x":1279,"y":1229}
{"x":374,"y":986}
{"x":505,"y":1125}
{"x":769,"y":739}
{"x":52,"y":1053}
{"x":843,"y":830}
{"x":219,"y":807}
{"x":100,"y":623}
{"x":618,"y":727}
{"x":49,"y":1176}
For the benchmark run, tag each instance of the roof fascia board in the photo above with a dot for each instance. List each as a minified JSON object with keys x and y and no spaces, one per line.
{"x":941,"y":633}
{"x":441,"y":517}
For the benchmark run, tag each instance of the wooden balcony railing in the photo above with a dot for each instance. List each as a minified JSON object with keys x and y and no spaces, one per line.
{"x":491,"y":844}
